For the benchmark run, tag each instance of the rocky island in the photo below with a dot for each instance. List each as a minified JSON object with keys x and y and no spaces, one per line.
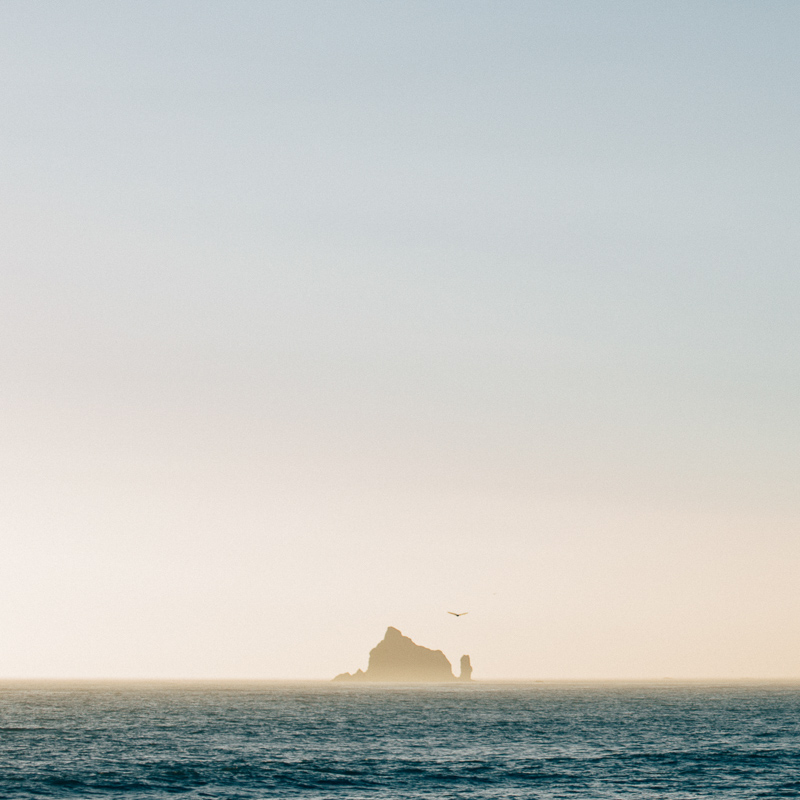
{"x":397,"y":659}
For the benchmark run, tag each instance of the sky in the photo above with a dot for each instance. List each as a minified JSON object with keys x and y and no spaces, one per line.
{"x":319,"y":317}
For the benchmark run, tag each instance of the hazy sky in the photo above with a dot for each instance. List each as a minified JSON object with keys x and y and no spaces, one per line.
{"x":319,"y":317}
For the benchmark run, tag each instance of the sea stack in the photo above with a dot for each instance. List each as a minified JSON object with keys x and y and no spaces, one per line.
{"x":397,"y":659}
{"x":466,"y":669}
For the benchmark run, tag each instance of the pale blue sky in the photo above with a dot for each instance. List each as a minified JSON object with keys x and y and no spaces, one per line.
{"x":380,"y":307}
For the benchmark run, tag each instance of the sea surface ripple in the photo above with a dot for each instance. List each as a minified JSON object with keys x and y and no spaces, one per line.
{"x":272,"y":740}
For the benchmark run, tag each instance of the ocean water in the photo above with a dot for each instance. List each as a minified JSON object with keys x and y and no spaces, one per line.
{"x":312,"y":740}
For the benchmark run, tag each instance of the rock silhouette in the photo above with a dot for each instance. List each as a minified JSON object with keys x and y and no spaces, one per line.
{"x":398,"y":659}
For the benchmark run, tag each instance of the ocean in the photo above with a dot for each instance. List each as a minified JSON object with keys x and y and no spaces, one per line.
{"x":275,"y":740}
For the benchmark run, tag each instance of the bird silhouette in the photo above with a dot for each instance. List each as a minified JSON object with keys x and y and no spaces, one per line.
{"x":458,"y":615}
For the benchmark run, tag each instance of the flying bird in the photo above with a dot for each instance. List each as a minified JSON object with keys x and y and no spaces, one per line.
{"x":458,"y":615}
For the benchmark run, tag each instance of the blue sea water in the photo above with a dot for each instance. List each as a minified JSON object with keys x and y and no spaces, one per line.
{"x":265,"y":740}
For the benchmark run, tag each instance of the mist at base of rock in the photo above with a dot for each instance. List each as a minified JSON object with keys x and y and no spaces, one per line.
{"x":397,"y":659}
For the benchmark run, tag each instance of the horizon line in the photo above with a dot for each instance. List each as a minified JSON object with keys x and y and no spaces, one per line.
{"x":478,"y":681}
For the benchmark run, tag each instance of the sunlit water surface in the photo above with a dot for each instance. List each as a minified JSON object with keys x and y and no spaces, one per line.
{"x":312,"y":740}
